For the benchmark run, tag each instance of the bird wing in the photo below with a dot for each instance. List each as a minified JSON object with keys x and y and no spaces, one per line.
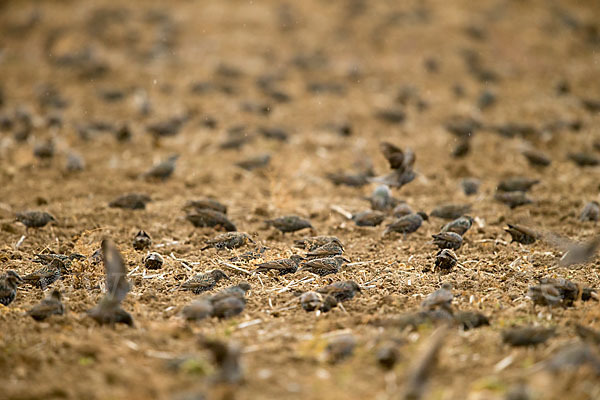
{"x":117,"y":286}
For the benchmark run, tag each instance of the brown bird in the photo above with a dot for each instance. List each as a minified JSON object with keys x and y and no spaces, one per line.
{"x":537,"y":158}
{"x":397,"y":158}
{"x":339,"y":348}
{"x":228,"y":307}
{"x":340,"y":178}
{"x":230,"y":240}
{"x":255,"y":162}
{"x":513,"y":199}
{"x":470,"y":186}
{"x":445,"y":260}
{"x":51,"y":305}
{"x":397,"y":178}
{"x":580,"y":253}
{"x":227,"y":358}
{"x":583,"y":159}
{"x":401,"y":210}
{"x":388,"y":355}
{"x":451,"y":211}
{"x":311,"y":301}
{"x":142,"y":241}
{"x":323,"y":266}
{"x":522,"y":234}
{"x":311,"y":243}
{"x":289,"y":223}
{"x":591,"y":212}
{"x":368,"y":218}
{"x":544,"y":295}
{"x":131,"y":201}
{"x":206,"y":203}
{"x":517,"y":184}
{"x":204,"y":282}
{"x":381,"y":199}
{"x":283,"y":266}
{"x":47,"y":275}
{"x":441,"y":298}
{"x":447,"y":240}
{"x":198,"y":310}
{"x":163,"y":170}
{"x":587,"y":334}
{"x":9,"y":282}
{"x":568,"y":291}
{"x":460,"y":225}
{"x":108,"y":310}
{"x":527,"y":335}
{"x":471,"y":319}
{"x":206,"y":217}
{"x":407,"y":224}
{"x":341,"y":291}
{"x":333,"y":248}
{"x":153,"y":261}
{"x":34,"y":219}
{"x":238,"y":291}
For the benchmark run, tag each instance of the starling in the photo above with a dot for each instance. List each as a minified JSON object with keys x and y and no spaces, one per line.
{"x":407,"y":224}
{"x":230,"y":240}
{"x":153,"y":261}
{"x":206,"y":217}
{"x":522,"y":234}
{"x":381,"y":199}
{"x":588,"y":294}
{"x":544,"y":295}
{"x":460,"y":225}
{"x":441,"y":298}
{"x":584,"y":159}
{"x":471,"y":319}
{"x":44,"y":150}
{"x":462,"y":127}
{"x":537,"y":158}
{"x":447,"y":240}
{"x":591,"y":212}
{"x":46,"y":258}
{"x":166,"y":128}
{"x":462,"y":148}
{"x":451,"y":211}
{"x":397,"y":158}
{"x":51,"y":305}
{"x":588,"y":334}
{"x":206,"y":203}
{"x":249,"y":255}
{"x":401,"y":210}
{"x":75,"y":163}
{"x":445,"y":260}
{"x":163,"y":170}
{"x":204,"y":282}
{"x":142,"y":241}
{"x":323,"y":266}
{"x":513,"y":199}
{"x":341,"y":291}
{"x":47,"y":275}
{"x":339,"y":348}
{"x":283,"y":266}
{"x":237,"y":291}
{"x":391,"y":116}
{"x":368,"y":218}
{"x":311,"y":243}
{"x":397,"y":178}
{"x":579,"y":253}
{"x":227,"y":358}
{"x":387,"y":356}
{"x":573,"y":356}
{"x":517,"y":184}
{"x":470,"y":186}
{"x":333,"y":248}
{"x":228,"y":307}
{"x":311,"y":301}
{"x":527,"y":335}
{"x":289,"y":223}
{"x":359,"y":179}
{"x":197,"y":310}
{"x":131,"y":201}
{"x":9,"y":282}
{"x":108,"y":310}
{"x":256,"y":162}
{"x":34,"y":219}
{"x":568,"y":291}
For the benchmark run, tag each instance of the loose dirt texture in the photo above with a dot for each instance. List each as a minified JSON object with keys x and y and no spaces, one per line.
{"x":363,"y":54}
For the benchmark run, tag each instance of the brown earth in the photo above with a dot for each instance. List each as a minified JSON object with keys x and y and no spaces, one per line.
{"x":367,"y":52}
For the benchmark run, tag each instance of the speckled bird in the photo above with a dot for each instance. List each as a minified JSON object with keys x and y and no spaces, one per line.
{"x":450,"y":211}
{"x":228,"y":307}
{"x":198,"y":310}
{"x":204,"y":282}
{"x":230,"y":240}
{"x":513,"y":199}
{"x":568,"y":291}
{"x":206,"y":217}
{"x":460,"y":225}
{"x":34,"y":219}
{"x":445,"y":260}
{"x":206,"y":203}
{"x":51,"y":305}
{"x":470,"y":186}
{"x":471,"y":319}
{"x":517,"y":184}
{"x":447,"y":240}
{"x":590,"y":212}
{"x":331,"y":249}
{"x":153,"y":261}
{"x":108,"y":310}
{"x":163,"y":170}
{"x":441,"y":298}
{"x":583,"y":159}
{"x":368,"y":218}
{"x":522,"y":234}
{"x":9,"y":282}
{"x":290,"y":223}
{"x":323,"y":266}
{"x":527,"y":335}
{"x":131,"y":201}
{"x":381,"y":199}
{"x":313,"y":242}
{"x":341,"y":291}
{"x":238,"y":291}
{"x":47,"y":275}
{"x":579,"y":253}
{"x":407,"y":224}
{"x":283,"y":266}
{"x":544,"y":295}
{"x":142,"y":241}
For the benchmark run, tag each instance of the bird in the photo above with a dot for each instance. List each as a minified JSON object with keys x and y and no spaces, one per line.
{"x":227,"y":358}
{"x":471,"y":319}
{"x":537,"y":158}
{"x":368,"y":218}
{"x":204,"y":282}
{"x":407,"y":224}
{"x":283,"y":266}
{"x":401,"y":210}
{"x":397,"y":158}
{"x":397,"y":178}
{"x":163,"y":170}
{"x":522,"y":234}
{"x":289,"y":223}
{"x":341,"y":291}
{"x":470,"y":186}
{"x":255,"y":162}
{"x":445,"y":260}
{"x":51,"y":305}
{"x":339,"y":348}
{"x":381,"y":199}
{"x":153,"y":261}
{"x":229,"y":240}
{"x":313,"y":242}
{"x":46,"y":258}
{"x":517,"y":184}
{"x":323,"y":266}
{"x":207,"y":217}
{"x":447,"y":240}
{"x":238,"y":291}
{"x":450,"y":211}
{"x":513,"y":199}
{"x":590,"y":212}
{"x":206,"y":203}
{"x":330,"y":249}
{"x":131,"y":201}
{"x":358,"y":179}
{"x":579,"y":253}
{"x":460,"y":225}
{"x":583,"y":159}
{"x":441,"y":298}
{"x":35,"y":219}
{"x":9,"y":282}
{"x":197,"y":310}
{"x":568,"y":291}
{"x":142,"y":241}
{"x":228,"y":307}
{"x":544,"y":295}
{"x":310,"y":301}
{"x":388,"y":355}
{"x":527,"y":335}
{"x":47,"y":275}
{"x":108,"y":310}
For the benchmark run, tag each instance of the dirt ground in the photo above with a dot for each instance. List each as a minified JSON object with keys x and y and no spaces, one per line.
{"x":306,"y":68}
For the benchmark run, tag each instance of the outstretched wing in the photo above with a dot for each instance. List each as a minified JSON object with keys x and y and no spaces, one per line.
{"x":117,"y":286}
